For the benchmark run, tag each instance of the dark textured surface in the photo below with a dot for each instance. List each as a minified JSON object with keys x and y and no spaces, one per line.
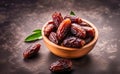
{"x":18,"y":18}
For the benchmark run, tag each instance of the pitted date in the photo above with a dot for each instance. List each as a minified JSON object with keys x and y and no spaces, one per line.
{"x":78,"y":31}
{"x":57,"y":19}
{"x":90,"y":31}
{"x":73,"y":42}
{"x":53,"y":37}
{"x":31,"y":51}
{"x":74,"y":19}
{"x":62,"y":65}
{"x":63,"y":29}
{"x":49,"y":28}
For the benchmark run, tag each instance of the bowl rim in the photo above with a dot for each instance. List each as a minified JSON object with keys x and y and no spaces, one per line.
{"x":67,"y":48}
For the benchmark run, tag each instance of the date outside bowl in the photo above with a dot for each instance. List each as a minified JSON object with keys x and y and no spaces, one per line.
{"x":67,"y":52}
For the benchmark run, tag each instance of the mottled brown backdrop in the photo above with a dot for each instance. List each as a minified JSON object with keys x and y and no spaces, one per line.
{"x":18,"y":18}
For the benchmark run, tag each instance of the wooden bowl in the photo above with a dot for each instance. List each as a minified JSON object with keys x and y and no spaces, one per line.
{"x":67,"y":52}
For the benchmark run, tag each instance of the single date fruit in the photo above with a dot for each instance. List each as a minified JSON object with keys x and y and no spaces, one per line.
{"x":84,"y":24}
{"x":31,"y":51}
{"x":78,"y":31}
{"x":88,"y":39}
{"x":49,"y":28}
{"x":53,"y":37}
{"x":73,"y":42}
{"x":57,"y":19}
{"x":63,"y":29}
{"x":62,"y":65}
{"x":90,"y":32}
{"x":74,"y":19}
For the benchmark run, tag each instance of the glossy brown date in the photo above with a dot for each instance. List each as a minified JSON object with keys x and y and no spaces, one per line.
{"x":62,"y":65}
{"x":84,"y":24}
{"x":53,"y":37}
{"x":74,"y":19}
{"x":63,"y":29}
{"x":31,"y":51}
{"x":78,"y":31}
{"x":49,"y":28}
{"x":90,"y":32}
{"x":73,"y":42}
{"x":57,"y":19}
{"x":88,"y":39}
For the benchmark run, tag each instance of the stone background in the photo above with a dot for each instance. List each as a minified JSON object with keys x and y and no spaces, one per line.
{"x":18,"y":18}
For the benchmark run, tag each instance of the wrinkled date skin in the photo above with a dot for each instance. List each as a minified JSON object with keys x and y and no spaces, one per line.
{"x":53,"y":37}
{"x":90,"y":31}
{"x":73,"y":42}
{"x":88,"y":39}
{"x":74,"y":19}
{"x":57,"y":19}
{"x":62,"y":65}
{"x":49,"y":28}
{"x":31,"y":51}
{"x":78,"y":31}
{"x":84,"y":24}
{"x":63,"y":29}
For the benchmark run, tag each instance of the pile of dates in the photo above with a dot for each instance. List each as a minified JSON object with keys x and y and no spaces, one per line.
{"x":69,"y":31}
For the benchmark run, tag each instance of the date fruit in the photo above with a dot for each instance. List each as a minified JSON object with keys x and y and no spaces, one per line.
{"x":49,"y":28}
{"x":90,"y":31}
{"x":73,"y":42}
{"x":74,"y":19}
{"x":57,"y":19}
{"x":63,"y":29}
{"x":53,"y":37}
{"x":78,"y":31}
{"x":88,"y":39}
{"x":84,"y":24}
{"x":31,"y":51}
{"x":62,"y":65}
